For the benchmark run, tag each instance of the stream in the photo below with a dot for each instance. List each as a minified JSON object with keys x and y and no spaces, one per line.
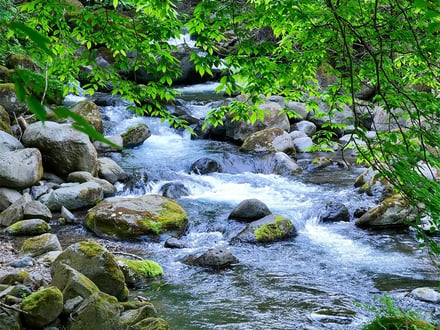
{"x":315,"y":280}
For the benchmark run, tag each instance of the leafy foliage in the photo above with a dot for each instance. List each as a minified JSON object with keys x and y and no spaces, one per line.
{"x":327,"y":53}
{"x":388,"y":316}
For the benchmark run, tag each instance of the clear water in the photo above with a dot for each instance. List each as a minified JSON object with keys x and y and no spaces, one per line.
{"x":312,"y":281}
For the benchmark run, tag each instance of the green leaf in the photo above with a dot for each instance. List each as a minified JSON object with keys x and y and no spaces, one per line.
{"x":36,"y":107}
{"x":36,"y":37}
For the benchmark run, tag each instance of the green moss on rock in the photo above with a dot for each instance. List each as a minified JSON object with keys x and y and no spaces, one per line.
{"x":42,"y":307}
{"x":144,"y":268}
{"x":272,"y":232}
{"x":90,"y":249}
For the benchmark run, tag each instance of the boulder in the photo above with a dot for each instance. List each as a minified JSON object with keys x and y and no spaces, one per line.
{"x":271,"y":228}
{"x":10,"y":320}
{"x":110,"y":170}
{"x":216,"y":258}
{"x":9,"y":143}
{"x":64,"y":149}
{"x":21,"y":168}
{"x":307,"y":127}
{"x":92,"y":308}
{"x":42,"y":307}
{"x":90,"y":112}
{"x":174,"y":190}
{"x":426,"y":294}
{"x":302,"y":144}
{"x":5,"y":123}
{"x":9,"y":100}
{"x":334,"y":211}
{"x":394,"y":211}
{"x":268,"y":140}
{"x":205,"y":166}
{"x":137,"y":311}
{"x":130,"y":217}
{"x":38,"y":245}
{"x":135,"y":136}
{"x":281,"y":164}
{"x":297,"y":109}
{"x":98,"y":264}
{"x":7,"y":197}
{"x":239,"y":130}
{"x":102,"y":147}
{"x":139,"y":272}
{"x":107,"y":188}
{"x":73,"y":197}
{"x":249,"y":210}
{"x":15,"y":212}
{"x":35,"y":209}
{"x":28,"y":227}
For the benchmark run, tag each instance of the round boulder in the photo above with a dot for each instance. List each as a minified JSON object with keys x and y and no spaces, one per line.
{"x":38,"y":245}
{"x":135,"y":136}
{"x":90,"y":112}
{"x":334,"y":211}
{"x":206,"y":165}
{"x":64,"y":149}
{"x":268,"y":140}
{"x":110,"y":170}
{"x":249,"y":210}
{"x":21,"y":168}
{"x":9,"y":142}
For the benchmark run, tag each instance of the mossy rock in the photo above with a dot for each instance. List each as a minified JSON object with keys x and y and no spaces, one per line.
{"x":124,"y":217}
{"x":274,"y":231}
{"x":42,"y":307}
{"x":90,"y":112}
{"x":5,"y":123}
{"x":151,"y":323}
{"x":398,"y":323}
{"x":5,"y":74}
{"x":28,"y":227}
{"x":271,"y":228}
{"x":21,"y":61}
{"x":135,"y":135}
{"x":138,"y":272}
{"x":9,"y":100}
{"x":40,"y":244}
{"x":98,"y":264}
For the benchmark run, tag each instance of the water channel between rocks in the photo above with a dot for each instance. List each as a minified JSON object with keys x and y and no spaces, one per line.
{"x":312,"y":281}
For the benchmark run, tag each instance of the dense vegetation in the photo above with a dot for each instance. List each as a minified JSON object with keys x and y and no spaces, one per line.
{"x":365,"y":54}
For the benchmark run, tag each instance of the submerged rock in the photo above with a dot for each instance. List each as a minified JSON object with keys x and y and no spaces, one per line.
{"x":334,"y":211}
{"x":217,"y":258}
{"x":271,"y":228}
{"x":205,"y":166}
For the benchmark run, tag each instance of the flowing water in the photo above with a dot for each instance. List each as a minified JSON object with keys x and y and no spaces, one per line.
{"x":312,"y":281}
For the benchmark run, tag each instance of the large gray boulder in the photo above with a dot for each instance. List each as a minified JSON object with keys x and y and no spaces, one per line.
{"x":64,"y":149}
{"x":269,"y":140}
{"x":9,"y":143}
{"x":21,"y":168}
{"x":74,"y":196}
{"x":281,"y":164}
{"x":131,"y":217}
{"x":98,"y":264}
{"x":240,"y":130}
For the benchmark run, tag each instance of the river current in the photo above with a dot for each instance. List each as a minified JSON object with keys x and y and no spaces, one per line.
{"x":317,"y":280}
